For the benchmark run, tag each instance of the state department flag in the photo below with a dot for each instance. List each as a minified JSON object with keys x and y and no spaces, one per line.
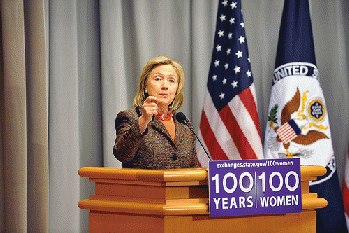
{"x":229,"y":123}
{"x":297,"y":98}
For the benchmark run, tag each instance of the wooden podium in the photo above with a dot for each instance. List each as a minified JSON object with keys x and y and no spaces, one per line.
{"x":172,"y":201}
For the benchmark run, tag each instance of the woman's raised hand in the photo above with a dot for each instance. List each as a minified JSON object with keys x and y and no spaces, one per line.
{"x":150,"y":108}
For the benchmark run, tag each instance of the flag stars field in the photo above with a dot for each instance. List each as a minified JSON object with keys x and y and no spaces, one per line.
{"x":238,"y":54}
{"x":233,"y":5}
{"x":219,"y":48}
{"x":242,"y":39}
{"x":234,"y":84}
{"x":223,"y":17}
{"x":237,"y":69}
{"x":216,"y":63}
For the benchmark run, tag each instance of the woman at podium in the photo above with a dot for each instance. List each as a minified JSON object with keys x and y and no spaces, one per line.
{"x":149,"y":136}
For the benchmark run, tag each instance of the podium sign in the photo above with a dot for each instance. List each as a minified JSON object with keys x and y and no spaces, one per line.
{"x":252,"y":187}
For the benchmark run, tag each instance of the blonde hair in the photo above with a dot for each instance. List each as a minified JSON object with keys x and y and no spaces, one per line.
{"x":160,"y":60}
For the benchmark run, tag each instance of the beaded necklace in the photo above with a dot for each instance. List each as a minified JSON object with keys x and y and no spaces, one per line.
{"x":165,"y":117}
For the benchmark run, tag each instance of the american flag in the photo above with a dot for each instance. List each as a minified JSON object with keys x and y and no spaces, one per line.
{"x":345,"y":191}
{"x":229,"y":123}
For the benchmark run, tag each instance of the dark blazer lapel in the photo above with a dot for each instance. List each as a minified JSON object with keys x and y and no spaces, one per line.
{"x":156,"y":123}
{"x":179,"y":133}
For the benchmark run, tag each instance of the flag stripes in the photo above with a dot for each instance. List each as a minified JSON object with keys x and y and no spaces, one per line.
{"x":251,"y":107}
{"x":345,"y":191}
{"x":227,"y":134}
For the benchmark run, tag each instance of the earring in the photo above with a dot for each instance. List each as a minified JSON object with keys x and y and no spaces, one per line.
{"x":145,"y":91}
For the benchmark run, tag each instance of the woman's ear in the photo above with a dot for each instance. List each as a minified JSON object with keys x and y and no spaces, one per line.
{"x":145,"y":88}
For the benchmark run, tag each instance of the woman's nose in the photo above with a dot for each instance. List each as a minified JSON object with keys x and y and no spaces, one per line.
{"x":164,"y":84}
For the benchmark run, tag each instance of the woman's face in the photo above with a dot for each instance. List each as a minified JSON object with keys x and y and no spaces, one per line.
{"x":162,"y":83}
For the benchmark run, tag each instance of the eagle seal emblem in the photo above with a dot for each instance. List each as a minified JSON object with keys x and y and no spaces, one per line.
{"x":301,"y":123}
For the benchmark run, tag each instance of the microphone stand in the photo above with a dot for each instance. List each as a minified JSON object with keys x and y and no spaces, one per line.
{"x":202,"y":145}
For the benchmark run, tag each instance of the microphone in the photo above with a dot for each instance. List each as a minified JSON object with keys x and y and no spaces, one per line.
{"x":181,"y":118}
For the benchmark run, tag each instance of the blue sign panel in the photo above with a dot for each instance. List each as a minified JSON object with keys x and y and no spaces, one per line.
{"x":251,"y":187}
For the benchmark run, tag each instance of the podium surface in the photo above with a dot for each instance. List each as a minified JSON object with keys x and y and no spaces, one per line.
{"x":173,"y":201}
